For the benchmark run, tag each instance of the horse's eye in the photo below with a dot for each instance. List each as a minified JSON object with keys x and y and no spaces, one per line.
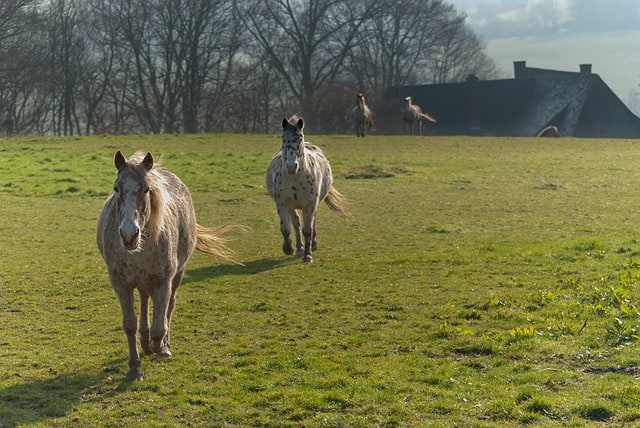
{"x":115,"y":189}
{"x":145,"y":190}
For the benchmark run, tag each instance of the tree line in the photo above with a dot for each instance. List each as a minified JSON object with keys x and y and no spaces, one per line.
{"x":81,"y":67}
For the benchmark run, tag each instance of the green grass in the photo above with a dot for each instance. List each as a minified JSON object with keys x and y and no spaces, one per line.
{"x":479,"y":282}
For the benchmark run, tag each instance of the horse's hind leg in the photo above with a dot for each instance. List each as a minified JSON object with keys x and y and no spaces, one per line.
{"x":159,"y":327}
{"x":143,"y":326}
{"x":166,"y":346}
{"x":309,"y":220}
{"x":296,"y":228}
{"x":314,"y":241}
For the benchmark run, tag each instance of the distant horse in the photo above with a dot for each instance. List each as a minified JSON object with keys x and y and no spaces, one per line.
{"x":299,"y":178}
{"x":412,"y":114}
{"x":362,"y":115}
{"x":146,"y":233}
{"x":550,"y":131}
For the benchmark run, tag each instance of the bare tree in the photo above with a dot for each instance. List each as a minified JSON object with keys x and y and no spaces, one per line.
{"x":178,"y":54}
{"x":67,"y":51}
{"x":456,"y":53}
{"x":394,"y":41}
{"x":210,"y":38}
{"x":12,"y":18}
{"x":409,"y":41}
{"x":133,"y":36}
{"x":307,"y":41}
{"x":21,"y":92}
{"x":192,"y":65}
{"x":97,"y":73}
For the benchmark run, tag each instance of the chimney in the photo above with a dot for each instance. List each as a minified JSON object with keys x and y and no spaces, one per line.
{"x":519,"y":68}
{"x":585,"y":68}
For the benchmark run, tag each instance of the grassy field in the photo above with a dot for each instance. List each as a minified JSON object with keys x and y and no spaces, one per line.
{"x":479,"y":282}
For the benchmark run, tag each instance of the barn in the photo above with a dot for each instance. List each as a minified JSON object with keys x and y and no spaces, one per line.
{"x":579,"y":104}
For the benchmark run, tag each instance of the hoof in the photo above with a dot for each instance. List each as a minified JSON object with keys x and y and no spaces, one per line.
{"x":287,"y":249}
{"x":307,"y":259}
{"x":155,"y":346}
{"x":134,"y":374}
{"x":164,"y":355}
{"x":300,"y":252}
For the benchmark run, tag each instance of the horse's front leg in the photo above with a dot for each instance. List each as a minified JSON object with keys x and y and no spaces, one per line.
{"x":159,"y":326}
{"x":308,"y":222}
{"x":285,"y":229}
{"x":314,"y":241}
{"x":143,"y":326}
{"x":130,"y":327}
{"x":172,"y":304}
{"x":296,"y":228}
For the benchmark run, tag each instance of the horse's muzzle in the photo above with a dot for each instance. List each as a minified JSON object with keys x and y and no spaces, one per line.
{"x":130,"y":235}
{"x":292,"y":169}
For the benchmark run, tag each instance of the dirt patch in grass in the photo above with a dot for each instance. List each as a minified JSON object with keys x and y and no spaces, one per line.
{"x":372,"y":172}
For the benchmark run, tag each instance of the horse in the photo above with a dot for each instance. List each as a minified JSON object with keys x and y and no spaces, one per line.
{"x":362,"y":115}
{"x":299,"y":178}
{"x":146,"y":233}
{"x":549,"y":131}
{"x":412,"y":114}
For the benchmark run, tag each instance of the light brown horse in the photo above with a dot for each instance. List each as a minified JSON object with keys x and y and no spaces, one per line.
{"x":362,"y":115}
{"x":299,"y":178}
{"x":412,"y":115}
{"x":146,"y":233}
{"x":550,"y":131}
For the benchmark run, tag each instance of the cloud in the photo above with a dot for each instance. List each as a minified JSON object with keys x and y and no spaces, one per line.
{"x":597,"y":15}
{"x":539,"y":13}
{"x":512,"y":18}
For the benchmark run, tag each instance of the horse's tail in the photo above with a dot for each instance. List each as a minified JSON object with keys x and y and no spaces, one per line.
{"x":428,"y":117}
{"x":336,"y":202}
{"x":211,"y":241}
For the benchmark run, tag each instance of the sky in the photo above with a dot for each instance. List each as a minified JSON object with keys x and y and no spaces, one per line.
{"x":561,"y":35}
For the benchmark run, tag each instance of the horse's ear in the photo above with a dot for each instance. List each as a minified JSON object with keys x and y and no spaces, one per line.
{"x":300,"y":124}
{"x":285,"y":123}
{"x":148,"y":161}
{"x":119,"y":160}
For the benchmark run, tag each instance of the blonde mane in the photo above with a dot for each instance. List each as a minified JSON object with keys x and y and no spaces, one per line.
{"x":160,"y":199}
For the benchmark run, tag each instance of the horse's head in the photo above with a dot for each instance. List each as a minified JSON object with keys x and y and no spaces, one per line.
{"x":407,"y":102}
{"x":292,"y":143}
{"x":132,"y":196}
{"x":360,"y":99}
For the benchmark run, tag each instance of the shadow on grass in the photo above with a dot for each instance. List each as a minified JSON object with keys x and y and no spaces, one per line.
{"x":32,"y":402}
{"x":252,"y":267}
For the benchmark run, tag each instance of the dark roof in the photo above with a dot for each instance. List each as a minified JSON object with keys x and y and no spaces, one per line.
{"x":580,"y":104}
